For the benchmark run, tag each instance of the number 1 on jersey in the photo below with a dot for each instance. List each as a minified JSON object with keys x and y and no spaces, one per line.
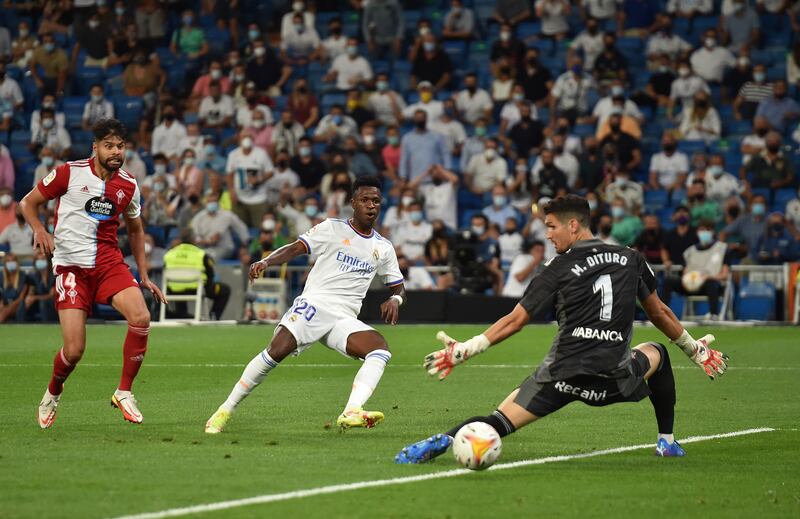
{"x":603,"y":285}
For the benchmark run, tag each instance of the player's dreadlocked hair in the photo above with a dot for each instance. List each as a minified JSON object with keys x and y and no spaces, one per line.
{"x":368,"y":181}
{"x":568,"y":207}
{"x":107,"y":127}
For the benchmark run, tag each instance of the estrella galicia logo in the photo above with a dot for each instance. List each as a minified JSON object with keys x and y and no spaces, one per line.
{"x":100,"y":208}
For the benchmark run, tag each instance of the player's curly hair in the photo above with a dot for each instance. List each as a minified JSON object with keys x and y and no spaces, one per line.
{"x":368,"y":181}
{"x":568,"y":207}
{"x":108,"y":127}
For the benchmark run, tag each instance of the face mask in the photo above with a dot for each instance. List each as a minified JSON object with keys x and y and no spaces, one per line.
{"x":415,"y":216}
{"x":577,"y":70}
{"x":407,"y":201}
{"x":425,"y":97}
{"x":733,"y":212}
{"x":521,"y":168}
{"x":682,"y":220}
{"x":23,"y":33}
{"x":305,"y":151}
{"x":592,"y":205}
{"x":490,"y":153}
{"x":499,"y":200}
{"x":299,"y":27}
{"x":383,"y":86}
{"x":716,"y":171}
{"x":96,"y":98}
{"x":48,"y":161}
{"x":617,"y":211}
{"x":505,"y":35}
{"x":188,"y":161}
{"x":705,"y":237}
{"x":253,"y":34}
{"x":710,"y":43}
{"x":94,"y":24}
{"x":478,"y":230}
{"x":621,"y":181}
{"x":215,"y":73}
{"x":311,"y":211}
{"x":297,"y":6}
{"x":480,"y":131}
{"x":40,"y":264}
{"x":773,"y":148}
{"x":268,"y":225}
{"x":212,"y":207}
{"x":393,"y":140}
{"x":369,"y":140}
{"x":259,"y":123}
{"x":47,"y":123}
{"x":518,"y":96}
{"x":759,"y":209}
{"x":670,"y":147}
{"x":759,"y":77}
{"x":684,"y":72}
{"x":120,"y":11}
{"x":663,"y":69}
{"x":159,"y":169}
{"x":238,"y":78}
{"x":776,"y":227}
{"x":139,"y":59}
{"x":11,"y":266}
{"x":259,"y":52}
{"x":591,"y":29}
{"x":148,"y":248}
{"x":187,"y":20}
{"x":247,"y":143}
{"x":424,"y":31}
{"x":210,"y":149}
{"x":49,"y":47}
{"x":169,"y":116}
{"x":158,"y":187}
{"x":337,"y":119}
{"x":352,"y":50}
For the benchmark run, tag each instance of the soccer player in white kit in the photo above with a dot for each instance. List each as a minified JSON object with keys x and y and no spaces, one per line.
{"x":349,"y":255}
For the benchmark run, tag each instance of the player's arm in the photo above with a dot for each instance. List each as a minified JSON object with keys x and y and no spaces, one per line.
{"x":713,"y":362}
{"x":278,"y":257}
{"x":390,"y":309}
{"x":136,"y":241}
{"x":29,"y":206}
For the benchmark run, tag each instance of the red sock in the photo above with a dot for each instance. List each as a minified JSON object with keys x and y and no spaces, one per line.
{"x":61,"y":370}
{"x":133,"y":354}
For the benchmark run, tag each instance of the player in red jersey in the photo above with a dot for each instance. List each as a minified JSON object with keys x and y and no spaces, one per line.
{"x":91,"y":195}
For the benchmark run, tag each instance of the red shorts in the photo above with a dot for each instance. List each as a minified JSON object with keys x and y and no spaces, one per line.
{"x":80,"y":288}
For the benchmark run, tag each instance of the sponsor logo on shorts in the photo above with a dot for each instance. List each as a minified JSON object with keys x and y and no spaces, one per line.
{"x":100,"y":208}
{"x":581,"y":393}
{"x":603,"y":335}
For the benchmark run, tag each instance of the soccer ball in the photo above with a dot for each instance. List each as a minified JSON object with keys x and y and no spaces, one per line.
{"x":693,"y":280}
{"x":477,"y":446}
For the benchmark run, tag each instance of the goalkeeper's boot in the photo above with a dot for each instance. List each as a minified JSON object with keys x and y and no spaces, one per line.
{"x":359,"y":418}
{"x":126,"y":403}
{"x":47,"y":409}
{"x":665,"y":449}
{"x":218,"y":421}
{"x":425,"y":450}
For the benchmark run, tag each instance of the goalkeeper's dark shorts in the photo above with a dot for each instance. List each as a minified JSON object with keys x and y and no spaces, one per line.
{"x":541,"y":399}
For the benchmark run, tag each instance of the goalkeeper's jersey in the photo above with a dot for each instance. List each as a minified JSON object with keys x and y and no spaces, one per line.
{"x":346,"y":263}
{"x":593,"y":287}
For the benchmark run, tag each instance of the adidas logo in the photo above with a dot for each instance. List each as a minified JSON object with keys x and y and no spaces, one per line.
{"x":84,"y":189}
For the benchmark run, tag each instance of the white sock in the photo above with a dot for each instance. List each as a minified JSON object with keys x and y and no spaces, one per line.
{"x":122,"y":394}
{"x":669,"y":437}
{"x":367,"y":378}
{"x":255,"y":373}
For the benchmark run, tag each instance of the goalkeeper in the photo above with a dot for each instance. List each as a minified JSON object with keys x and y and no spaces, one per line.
{"x":593,"y":288}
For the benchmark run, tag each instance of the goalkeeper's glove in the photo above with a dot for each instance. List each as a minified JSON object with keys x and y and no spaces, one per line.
{"x":711,"y":361}
{"x":441,"y":362}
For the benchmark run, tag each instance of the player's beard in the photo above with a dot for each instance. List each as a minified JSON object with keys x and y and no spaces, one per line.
{"x":105,"y":163}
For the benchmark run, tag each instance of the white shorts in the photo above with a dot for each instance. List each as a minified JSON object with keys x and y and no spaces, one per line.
{"x":310,"y":322}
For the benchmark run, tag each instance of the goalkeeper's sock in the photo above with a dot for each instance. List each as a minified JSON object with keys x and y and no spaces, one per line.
{"x":255,"y":373}
{"x":497,"y":420}
{"x":662,"y":393}
{"x":367,"y":378}
{"x":670,"y":438}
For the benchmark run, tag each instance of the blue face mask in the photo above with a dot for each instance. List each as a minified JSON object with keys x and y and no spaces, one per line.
{"x":759,"y":209}
{"x":49,"y":47}
{"x":499,"y":200}
{"x":11,"y":266}
{"x":210,"y":149}
{"x":337,"y":119}
{"x":40,"y":264}
{"x":212,"y":207}
{"x":705,"y":237}
{"x":311,"y":211}
{"x":253,"y":34}
{"x":617,"y":211}
{"x":415,"y":216}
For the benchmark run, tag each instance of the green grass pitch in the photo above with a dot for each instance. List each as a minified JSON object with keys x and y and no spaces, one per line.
{"x":92,"y":464}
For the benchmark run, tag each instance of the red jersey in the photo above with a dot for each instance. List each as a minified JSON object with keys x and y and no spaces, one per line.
{"x":87,"y":212}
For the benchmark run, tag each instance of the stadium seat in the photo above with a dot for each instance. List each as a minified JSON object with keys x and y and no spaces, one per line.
{"x":782,"y":197}
{"x":656,"y":199}
{"x":129,"y":110}
{"x":73,"y":111}
{"x":763,"y":191}
{"x":457,"y":51}
{"x":756,"y":302}
{"x":689,"y":147}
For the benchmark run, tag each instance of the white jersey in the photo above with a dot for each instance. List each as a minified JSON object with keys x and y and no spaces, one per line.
{"x":347,"y":261}
{"x":88,"y":212}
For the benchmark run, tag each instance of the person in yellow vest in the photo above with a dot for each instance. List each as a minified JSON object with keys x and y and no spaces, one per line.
{"x":188,"y":255}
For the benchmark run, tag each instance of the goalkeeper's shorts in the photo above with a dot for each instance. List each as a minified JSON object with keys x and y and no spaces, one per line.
{"x":541,"y":399}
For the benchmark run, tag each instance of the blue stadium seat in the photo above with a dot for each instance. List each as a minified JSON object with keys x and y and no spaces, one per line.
{"x":656,"y":199}
{"x":457,"y":51}
{"x":763,"y":191}
{"x":689,"y":147}
{"x":677,"y":197}
{"x":85,"y":77}
{"x":73,"y":111}
{"x":129,"y":110}
{"x":330,"y":99}
{"x":219,"y":41}
{"x":756,"y":302}
{"x":782,"y":197}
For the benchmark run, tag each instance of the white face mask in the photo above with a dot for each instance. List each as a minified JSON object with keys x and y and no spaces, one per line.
{"x":216,"y":73}
{"x":369,"y":140}
{"x":148,"y":248}
{"x":247,"y":143}
{"x":490,"y":153}
{"x":259,"y":51}
{"x":188,"y":161}
{"x":684,"y":72}
{"x":5,"y":200}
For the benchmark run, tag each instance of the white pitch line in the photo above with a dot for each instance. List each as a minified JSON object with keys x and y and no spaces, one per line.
{"x":345,"y":487}
{"x":351,"y":365}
